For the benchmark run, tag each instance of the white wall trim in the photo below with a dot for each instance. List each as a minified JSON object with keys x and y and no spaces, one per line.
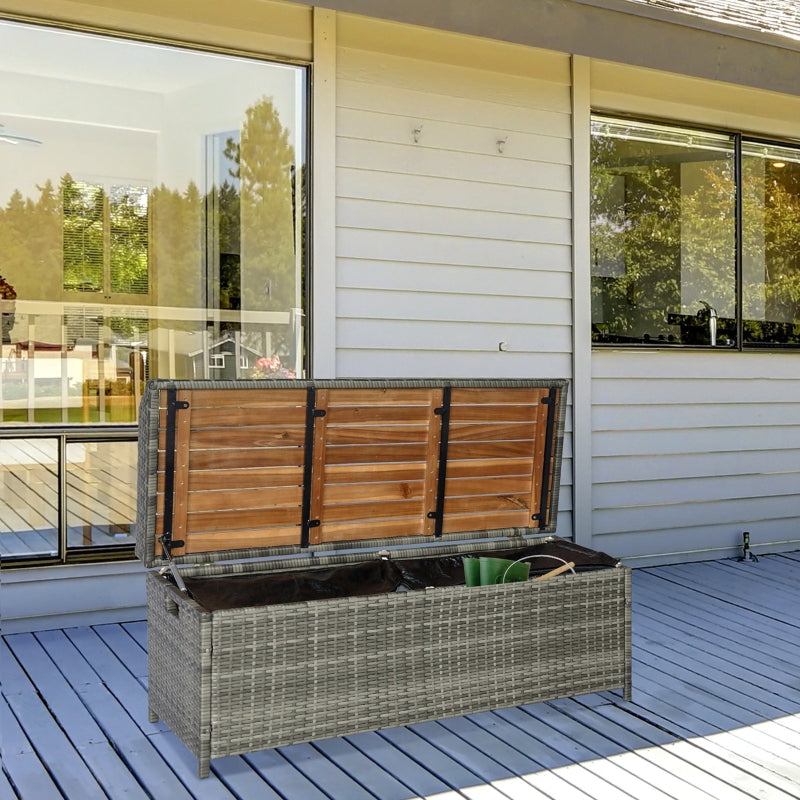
{"x":581,"y":305}
{"x":323,"y":194}
{"x":46,"y":598}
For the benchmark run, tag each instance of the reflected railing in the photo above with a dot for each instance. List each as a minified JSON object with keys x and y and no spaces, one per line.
{"x":69,"y":363}
{"x":67,"y":494}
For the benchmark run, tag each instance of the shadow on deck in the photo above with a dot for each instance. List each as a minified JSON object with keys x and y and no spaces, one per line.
{"x":715,"y":714}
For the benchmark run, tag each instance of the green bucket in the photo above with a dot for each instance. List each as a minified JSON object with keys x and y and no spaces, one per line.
{"x":472,"y":571}
{"x":502,"y":570}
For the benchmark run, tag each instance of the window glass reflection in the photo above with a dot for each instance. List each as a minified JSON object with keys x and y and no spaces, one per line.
{"x":101,"y":493}
{"x":28,"y":498}
{"x":663,"y":210}
{"x":151,"y":223}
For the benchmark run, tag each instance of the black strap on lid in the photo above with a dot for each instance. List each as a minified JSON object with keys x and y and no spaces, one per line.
{"x":444,"y":412}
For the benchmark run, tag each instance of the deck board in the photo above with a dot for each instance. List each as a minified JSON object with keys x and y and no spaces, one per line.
{"x":715,"y":715}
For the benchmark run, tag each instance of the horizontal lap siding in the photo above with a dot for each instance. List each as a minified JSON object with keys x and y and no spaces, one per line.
{"x":691,"y":449}
{"x":446,"y":247}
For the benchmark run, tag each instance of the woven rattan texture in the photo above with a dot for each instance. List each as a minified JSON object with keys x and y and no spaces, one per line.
{"x":304,"y":671}
{"x":179,"y":666}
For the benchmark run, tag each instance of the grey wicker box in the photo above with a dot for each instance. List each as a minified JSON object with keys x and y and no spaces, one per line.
{"x":309,"y":536}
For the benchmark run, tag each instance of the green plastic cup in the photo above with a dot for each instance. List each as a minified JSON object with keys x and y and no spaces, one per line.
{"x":502,"y":570}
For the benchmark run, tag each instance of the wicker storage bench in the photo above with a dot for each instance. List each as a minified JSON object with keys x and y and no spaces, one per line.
{"x":309,"y":537}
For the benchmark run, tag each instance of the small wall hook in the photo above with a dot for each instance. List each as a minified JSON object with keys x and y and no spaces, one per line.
{"x":502,"y":141}
{"x":417,"y":132}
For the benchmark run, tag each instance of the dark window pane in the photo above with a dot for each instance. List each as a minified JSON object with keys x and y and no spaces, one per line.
{"x":662,"y":235}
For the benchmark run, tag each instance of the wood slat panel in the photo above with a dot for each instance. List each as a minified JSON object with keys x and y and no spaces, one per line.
{"x":183,"y":426}
{"x":317,"y":477}
{"x":473,"y":487}
{"x":247,"y":398}
{"x":487,"y":466}
{"x":490,"y":396}
{"x":247,"y":417}
{"x":375,"y":457}
{"x":375,"y":491}
{"x":247,"y":457}
{"x":203,"y":542}
{"x":540,"y":446}
{"x":381,"y":397}
{"x":351,"y":473}
{"x":480,"y":503}
{"x":374,"y":414}
{"x":497,"y":413}
{"x":371,"y":435}
{"x":486,"y":521}
{"x":243,"y":499}
{"x":207,"y":480}
{"x":492,"y":431}
{"x":433,"y":463}
{"x":242,"y":518}
{"x":373,"y":454}
{"x":488,"y":450}
{"x":372,"y":529}
{"x":233,"y":438}
{"x":342,"y":512}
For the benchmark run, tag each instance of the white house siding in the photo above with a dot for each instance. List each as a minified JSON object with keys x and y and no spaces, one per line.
{"x":446,"y":247}
{"x":690,"y":449}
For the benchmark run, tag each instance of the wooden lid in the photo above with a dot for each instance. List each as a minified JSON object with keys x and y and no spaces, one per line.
{"x":256,"y":468}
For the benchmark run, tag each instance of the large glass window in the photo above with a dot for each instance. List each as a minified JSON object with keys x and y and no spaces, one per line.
{"x":152,"y":220}
{"x":770,"y":245}
{"x":152,"y":224}
{"x":694,"y":237}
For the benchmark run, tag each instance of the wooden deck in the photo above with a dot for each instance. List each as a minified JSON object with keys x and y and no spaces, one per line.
{"x":715,"y":715}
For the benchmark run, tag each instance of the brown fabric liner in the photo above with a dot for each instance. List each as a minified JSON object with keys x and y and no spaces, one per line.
{"x":379,"y":576}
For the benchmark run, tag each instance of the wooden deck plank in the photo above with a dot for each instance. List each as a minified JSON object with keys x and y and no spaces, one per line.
{"x":109,"y":671}
{"x":751,"y":760}
{"x":377,"y":780}
{"x":738,"y":692}
{"x":130,"y":741}
{"x":449,"y":770}
{"x":715,"y":715}
{"x":674,"y":765}
{"x":328,"y":774}
{"x":71,"y":714}
{"x":6,"y":789}
{"x":126,"y":648}
{"x":482,"y":761}
{"x":420,"y":780}
{"x":548,"y":778}
{"x":724,"y":657}
{"x":57,"y":754}
{"x":22,"y":768}
{"x":283,"y":776}
{"x":115,"y":675}
{"x":762,"y":640}
{"x":607,"y":762}
{"x":573,"y":761}
{"x":138,"y":630}
{"x":511,"y":757}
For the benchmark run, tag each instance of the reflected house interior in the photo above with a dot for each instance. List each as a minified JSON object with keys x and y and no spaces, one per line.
{"x":152,"y":224}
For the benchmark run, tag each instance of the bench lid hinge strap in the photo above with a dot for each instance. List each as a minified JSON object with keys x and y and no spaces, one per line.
{"x":167,"y":544}
{"x":444,"y":412}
